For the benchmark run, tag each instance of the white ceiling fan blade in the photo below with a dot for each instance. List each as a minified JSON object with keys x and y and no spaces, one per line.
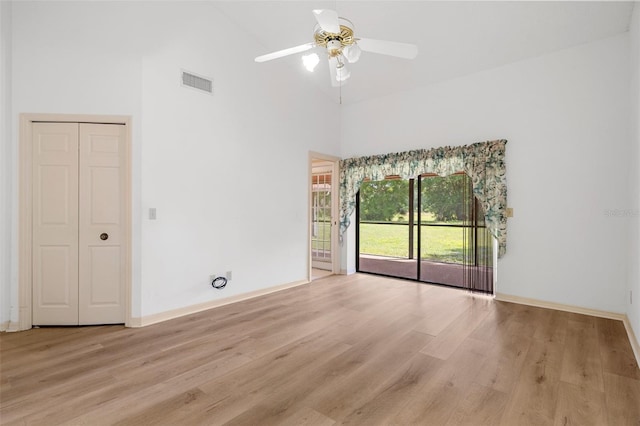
{"x":285,"y":52}
{"x":328,"y":20}
{"x":333,"y":72}
{"x":391,"y":48}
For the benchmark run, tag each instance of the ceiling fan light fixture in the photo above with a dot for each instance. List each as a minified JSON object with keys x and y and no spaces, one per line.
{"x":352,"y":53}
{"x":310,"y":61}
{"x":342,"y":72}
{"x":335,"y":35}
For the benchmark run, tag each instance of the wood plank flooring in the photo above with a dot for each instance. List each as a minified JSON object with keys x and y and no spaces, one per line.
{"x":359,"y":349}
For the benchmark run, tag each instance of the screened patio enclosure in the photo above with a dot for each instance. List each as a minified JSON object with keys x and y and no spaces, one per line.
{"x":429,"y":229}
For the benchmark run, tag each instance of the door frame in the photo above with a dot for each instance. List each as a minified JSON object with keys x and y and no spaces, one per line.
{"x":25,"y":191}
{"x":335,"y":213}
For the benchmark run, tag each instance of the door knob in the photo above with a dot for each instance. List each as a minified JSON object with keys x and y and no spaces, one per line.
{"x":104,"y":236}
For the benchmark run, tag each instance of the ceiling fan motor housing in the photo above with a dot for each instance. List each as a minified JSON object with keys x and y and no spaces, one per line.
{"x":334,"y":42}
{"x":334,"y":47}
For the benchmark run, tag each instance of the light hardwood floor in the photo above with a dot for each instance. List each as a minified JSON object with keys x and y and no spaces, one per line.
{"x":317,"y":274}
{"x":343,"y":350}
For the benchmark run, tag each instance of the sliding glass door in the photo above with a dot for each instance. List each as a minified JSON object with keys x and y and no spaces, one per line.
{"x":428,"y":229}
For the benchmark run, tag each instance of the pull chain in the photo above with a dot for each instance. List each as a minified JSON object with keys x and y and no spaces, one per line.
{"x":340,"y":88}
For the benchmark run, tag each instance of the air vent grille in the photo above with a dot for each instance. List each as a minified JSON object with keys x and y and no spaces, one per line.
{"x":197,"y":82}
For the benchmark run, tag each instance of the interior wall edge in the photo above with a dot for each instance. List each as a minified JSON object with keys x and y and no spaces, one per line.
{"x":8,"y":299}
{"x":633,"y":274}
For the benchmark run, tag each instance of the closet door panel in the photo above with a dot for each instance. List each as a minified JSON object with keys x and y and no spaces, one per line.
{"x":55,"y":224}
{"x":102,"y":219}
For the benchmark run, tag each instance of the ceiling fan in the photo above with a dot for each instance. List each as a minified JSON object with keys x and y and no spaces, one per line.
{"x":335,"y":34}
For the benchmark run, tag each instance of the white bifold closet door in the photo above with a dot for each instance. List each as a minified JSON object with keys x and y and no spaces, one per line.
{"x":78,"y":223}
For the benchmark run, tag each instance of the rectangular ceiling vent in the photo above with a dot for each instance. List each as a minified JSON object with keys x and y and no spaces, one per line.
{"x":190,"y":79}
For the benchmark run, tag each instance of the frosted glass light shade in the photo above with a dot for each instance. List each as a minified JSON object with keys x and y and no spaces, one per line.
{"x":342,"y":73}
{"x":310,"y":61}
{"x":352,"y":53}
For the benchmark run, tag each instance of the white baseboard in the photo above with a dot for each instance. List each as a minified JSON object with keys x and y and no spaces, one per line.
{"x":559,"y":306}
{"x":188,"y":310}
{"x":632,"y":339}
{"x":578,"y":310}
{"x":9,"y":327}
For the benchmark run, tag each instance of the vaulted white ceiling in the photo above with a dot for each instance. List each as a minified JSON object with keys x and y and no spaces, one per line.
{"x":453,"y":38}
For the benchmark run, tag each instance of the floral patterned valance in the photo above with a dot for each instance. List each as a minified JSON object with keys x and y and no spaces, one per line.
{"x":483,"y":162}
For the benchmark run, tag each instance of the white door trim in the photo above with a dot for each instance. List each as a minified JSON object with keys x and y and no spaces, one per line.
{"x":25,"y":187}
{"x":335,"y":212}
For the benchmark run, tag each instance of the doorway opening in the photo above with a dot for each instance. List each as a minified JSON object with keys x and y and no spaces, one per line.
{"x":429,"y":229}
{"x":324,"y":256}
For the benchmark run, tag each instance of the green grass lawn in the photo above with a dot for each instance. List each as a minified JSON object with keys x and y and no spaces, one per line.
{"x":440,"y":244}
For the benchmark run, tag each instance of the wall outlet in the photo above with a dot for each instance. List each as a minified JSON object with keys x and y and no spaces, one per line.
{"x":228,"y":275}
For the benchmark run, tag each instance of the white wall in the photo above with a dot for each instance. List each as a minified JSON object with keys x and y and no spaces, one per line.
{"x":237,"y":199}
{"x":566,"y":116}
{"x":633,"y":310}
{"x":227,"y":173}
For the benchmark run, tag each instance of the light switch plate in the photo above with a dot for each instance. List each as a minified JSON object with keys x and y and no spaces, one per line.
{"x":152,"y":213}
{"x":509,"y":212}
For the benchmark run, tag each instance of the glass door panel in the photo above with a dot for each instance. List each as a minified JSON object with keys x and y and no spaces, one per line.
{"x":441,"y":256}
{"x":386,"y":231}
{"x":321,"y":220}
{"x":445,"y":213}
